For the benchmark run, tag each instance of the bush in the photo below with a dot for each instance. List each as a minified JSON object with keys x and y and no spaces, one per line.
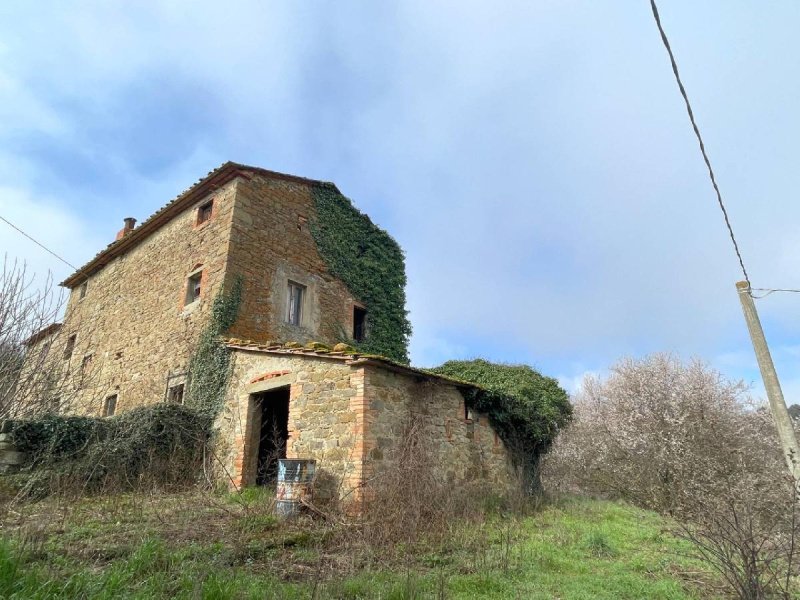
{"x":159,"y":444}
{"x":53,"y":437}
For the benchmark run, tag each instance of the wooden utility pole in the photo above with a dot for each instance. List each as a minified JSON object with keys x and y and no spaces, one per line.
{"x":777,"y":404}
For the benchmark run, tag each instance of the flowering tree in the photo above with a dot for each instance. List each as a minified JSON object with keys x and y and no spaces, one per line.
{"x":681,"y":439}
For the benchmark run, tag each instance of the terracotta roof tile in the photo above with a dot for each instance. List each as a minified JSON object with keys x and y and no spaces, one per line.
{"x":347,"y":358}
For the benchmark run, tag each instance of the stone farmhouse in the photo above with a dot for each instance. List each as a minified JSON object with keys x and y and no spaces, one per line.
{"x":137,"y":309}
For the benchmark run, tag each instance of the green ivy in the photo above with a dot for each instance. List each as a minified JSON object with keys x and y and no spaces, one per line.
{"x":161,"y":443}
{"x":371,"y":265}
{"x":210,"y":365}
{"x":526,"y":408}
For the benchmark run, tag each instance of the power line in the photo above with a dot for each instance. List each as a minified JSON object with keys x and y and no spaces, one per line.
{"x":699,"y":137}
{"x":42,"y":246}
{"x":770,"y":291}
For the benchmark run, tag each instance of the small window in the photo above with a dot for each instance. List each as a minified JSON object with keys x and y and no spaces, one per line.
{"x":294,"y":309}
{"x":86,"y":362}
{"x":204,"y":212}
{"x":55,"y":405}
{"x":70,"y":346}
{"x":175,"y":394}
{"x":110,"y":406}
{"x":84,"y":287}
{"x":193,"y":287}
{"x":359,"y":323}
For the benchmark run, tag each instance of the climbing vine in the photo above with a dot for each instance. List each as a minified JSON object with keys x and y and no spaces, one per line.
{"x":526,"y":408}
{"x":210,"y":365}
{"x":371,"y":265}
{"x":158,"y":444}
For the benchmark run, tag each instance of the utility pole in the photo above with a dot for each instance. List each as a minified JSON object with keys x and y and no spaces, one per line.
{"x":777,"y":404}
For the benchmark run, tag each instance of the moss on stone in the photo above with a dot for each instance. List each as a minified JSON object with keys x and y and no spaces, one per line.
{"x":318,"y":347}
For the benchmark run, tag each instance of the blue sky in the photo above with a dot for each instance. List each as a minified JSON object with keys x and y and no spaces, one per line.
{"x":533,"y":158}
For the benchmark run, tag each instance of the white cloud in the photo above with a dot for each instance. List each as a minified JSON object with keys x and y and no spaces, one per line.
{"x":533,"y":159}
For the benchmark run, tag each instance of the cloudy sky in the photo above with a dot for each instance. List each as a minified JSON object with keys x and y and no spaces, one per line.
{"x":534,"y":159}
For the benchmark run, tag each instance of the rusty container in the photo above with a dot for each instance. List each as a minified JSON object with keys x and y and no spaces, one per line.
{"x":295,"y":485}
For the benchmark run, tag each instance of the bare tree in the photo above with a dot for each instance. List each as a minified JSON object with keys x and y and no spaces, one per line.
{"x":36,"y":375}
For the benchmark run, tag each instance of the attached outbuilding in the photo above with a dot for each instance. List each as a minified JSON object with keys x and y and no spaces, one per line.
{"x":350,"y":413}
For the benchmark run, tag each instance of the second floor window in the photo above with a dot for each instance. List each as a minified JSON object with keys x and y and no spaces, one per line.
{"x":193,"y":287}
{"x":359,"y":323}
{"x":205,"y":212}
{"x":294,"y":308}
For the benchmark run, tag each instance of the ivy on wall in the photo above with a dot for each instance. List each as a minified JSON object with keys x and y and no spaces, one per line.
{"x":371,"y":264}
{"x":526,"y":408}
{"x":210,"y":365}
{"x":162,"y":443}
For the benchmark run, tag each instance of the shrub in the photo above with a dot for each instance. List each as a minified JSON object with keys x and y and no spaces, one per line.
{"x":159,"y":444}
{"x":526,"y":408}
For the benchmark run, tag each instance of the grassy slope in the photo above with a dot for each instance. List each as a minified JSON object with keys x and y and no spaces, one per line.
{"x":185,"y":546}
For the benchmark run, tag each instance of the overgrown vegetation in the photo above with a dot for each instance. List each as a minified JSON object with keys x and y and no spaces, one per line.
{"x":210,"y":364}
{"x":371,"y":265}
{"x":681,"y":439}
{"x":194,"y":545}
{"x":526,"y":408}
{"x":162,"y":444}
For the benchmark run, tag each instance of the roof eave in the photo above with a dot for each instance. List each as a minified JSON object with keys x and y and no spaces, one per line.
{"x":222,"y":176}
{"x":215,"y":179}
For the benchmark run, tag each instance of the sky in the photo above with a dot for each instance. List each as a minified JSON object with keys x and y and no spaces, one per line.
{"x":534,"y":159}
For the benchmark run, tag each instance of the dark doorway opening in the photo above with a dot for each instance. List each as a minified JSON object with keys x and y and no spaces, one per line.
{"x":274,"y":406}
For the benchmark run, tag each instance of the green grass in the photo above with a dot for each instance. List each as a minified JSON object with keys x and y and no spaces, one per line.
{"x":184,"y":546}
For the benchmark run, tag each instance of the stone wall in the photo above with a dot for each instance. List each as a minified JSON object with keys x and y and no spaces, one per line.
{"x":271,"y":244}
{"x":351,"y":417}
{"x":133,"y":326}
{"x":321,"y":420}
{"x":463,"y":446}
{"x":134,"y":330}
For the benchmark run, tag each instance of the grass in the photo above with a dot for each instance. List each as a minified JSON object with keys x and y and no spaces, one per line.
{"x":194,"y":545}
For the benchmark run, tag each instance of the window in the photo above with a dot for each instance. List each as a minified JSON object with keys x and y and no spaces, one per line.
{"x":204,"y":212}
{"x":175,"y":394}
{"x":84,"y":287}
{"x":468,"y":414}
{"x":359,"y":323}
{"x":55,"y":405}
{"x":193,"y":287}
{"x":86,"y":362}
{"x":294,"y":308}
{"x":110,"y":406}
{"x":70,"y":346}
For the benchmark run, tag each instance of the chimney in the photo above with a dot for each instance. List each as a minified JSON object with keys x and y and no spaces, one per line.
{"x":130,"y":223}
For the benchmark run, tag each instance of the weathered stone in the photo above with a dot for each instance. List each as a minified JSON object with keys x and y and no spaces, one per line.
{"x":135,"y":318}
